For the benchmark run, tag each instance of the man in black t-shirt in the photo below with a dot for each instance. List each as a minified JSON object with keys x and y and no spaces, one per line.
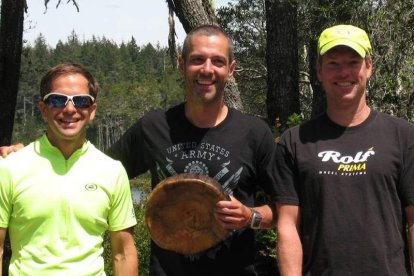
{"x":346,"y":191}
{"x":203,"y":135}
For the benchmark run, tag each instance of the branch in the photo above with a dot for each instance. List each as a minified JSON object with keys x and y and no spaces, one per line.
{"x":171,"y":35}
{"x":58,"y":3}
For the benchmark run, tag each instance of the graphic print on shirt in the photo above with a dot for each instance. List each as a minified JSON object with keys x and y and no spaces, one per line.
{"x":201,"y":158}
{"x":345,"y":165}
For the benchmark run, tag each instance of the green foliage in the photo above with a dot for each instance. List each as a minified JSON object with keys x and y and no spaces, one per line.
{"x":293,"y":120}
{"x":266,"y":242}
{"x":390,"y":26}
{"x":388,"y":23}
{"x":244,"y":20}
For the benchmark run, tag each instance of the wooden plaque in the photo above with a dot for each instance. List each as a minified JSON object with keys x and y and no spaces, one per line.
{"x":180,"y":213}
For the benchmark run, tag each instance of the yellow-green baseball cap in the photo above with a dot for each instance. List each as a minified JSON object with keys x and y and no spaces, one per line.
{"x":346,"y":35}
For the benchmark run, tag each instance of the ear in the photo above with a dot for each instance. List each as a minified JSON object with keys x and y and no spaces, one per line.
{"x":231,"y":68}
{"x":319,"y":70}
{"x":181,"y":64}
{"x":369,"y":65}
{"x":43,"y":109}
{"x":92,"y":112}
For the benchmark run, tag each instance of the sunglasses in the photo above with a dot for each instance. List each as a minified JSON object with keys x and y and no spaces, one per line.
{"x":58,"y":100}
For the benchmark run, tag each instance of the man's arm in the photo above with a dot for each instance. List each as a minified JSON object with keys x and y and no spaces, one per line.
{"x":409,"y":211}
{"x":124,"y":253}
{"x":289,"y":247}
{"x":2,"y":238}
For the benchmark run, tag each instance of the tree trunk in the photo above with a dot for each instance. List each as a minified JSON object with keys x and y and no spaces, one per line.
{"x":316,"y":25}
{"x":11,"y":33}
{"x":282,"y":60}
{"x":319,"y":99}
{"x":193,"y":13}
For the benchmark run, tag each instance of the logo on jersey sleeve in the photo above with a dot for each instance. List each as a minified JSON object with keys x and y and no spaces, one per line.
{"x":347,"y":165}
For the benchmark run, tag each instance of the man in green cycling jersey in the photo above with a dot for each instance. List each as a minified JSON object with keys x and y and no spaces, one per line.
{"x":59,"y":194}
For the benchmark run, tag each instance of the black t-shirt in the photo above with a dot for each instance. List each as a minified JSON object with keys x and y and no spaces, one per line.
{"x":352,"y":185}
{"x":238,"y":153}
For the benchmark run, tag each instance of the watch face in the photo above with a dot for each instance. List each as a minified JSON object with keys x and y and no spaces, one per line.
{"x":256,"y":223}
{"x":256,"y":220}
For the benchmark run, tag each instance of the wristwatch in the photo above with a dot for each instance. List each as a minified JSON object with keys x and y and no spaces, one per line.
{"x":256,"y":219}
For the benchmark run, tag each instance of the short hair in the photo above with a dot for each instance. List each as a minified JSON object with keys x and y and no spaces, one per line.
{"x":67,"y":69}
{"x":207,"y":30}
{"x":367,"y":58}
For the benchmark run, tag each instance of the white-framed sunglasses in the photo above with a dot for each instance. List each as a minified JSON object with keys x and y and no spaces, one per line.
{"x":58,"y":100}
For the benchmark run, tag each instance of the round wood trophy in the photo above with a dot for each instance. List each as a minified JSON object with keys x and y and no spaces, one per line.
{"x":180,"y":213}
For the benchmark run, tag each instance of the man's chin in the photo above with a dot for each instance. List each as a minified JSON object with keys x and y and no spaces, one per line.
{"x":207,"y":97}
{"x":70,"y":134}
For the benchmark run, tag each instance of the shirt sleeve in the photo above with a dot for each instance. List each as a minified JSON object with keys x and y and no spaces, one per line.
{"x":121,"y":214}
{"x":407,"y":175}
{"x":265,"y":164}
{"x":130,"y":149}
{"x":5,"y":196}
{"x":286,"y":174}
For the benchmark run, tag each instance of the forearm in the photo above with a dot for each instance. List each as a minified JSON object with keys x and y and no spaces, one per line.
{"x":289,"y":253}
{"x":124,"y":253}
{"x":289,"y":246}
{"x":125,"y":263}
{"x":2,"y":239}
{"x":409,"y":211}
{"x":411,"y":244}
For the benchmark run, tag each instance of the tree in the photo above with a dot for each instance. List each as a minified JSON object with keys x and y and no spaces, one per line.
{"x":191,"y":14}
{"x":392,"y":35}
{"x":245,"y":22}
{"x":35,"y":62}
{"x":11,"y":42}
{"x":282,"y":60}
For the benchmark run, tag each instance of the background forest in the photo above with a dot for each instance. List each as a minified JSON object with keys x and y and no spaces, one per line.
{"x":275,"y":49}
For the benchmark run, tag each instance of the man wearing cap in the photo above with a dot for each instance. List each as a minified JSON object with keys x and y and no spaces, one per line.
{"x":346,"y":193}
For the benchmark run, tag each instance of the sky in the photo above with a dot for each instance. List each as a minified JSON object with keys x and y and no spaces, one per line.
{"x":116,"y":20}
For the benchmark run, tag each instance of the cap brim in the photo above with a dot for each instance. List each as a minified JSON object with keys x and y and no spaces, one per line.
{"x":343,"y":42}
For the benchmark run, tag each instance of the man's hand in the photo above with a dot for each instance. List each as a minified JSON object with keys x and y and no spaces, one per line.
{"x":232,"y":214}
{"x":6,"y":150}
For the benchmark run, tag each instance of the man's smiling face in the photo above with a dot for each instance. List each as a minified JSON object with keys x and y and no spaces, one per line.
{"x":207,"y":68}
{"x":344,"y":75}
{"x":68,"y":123}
